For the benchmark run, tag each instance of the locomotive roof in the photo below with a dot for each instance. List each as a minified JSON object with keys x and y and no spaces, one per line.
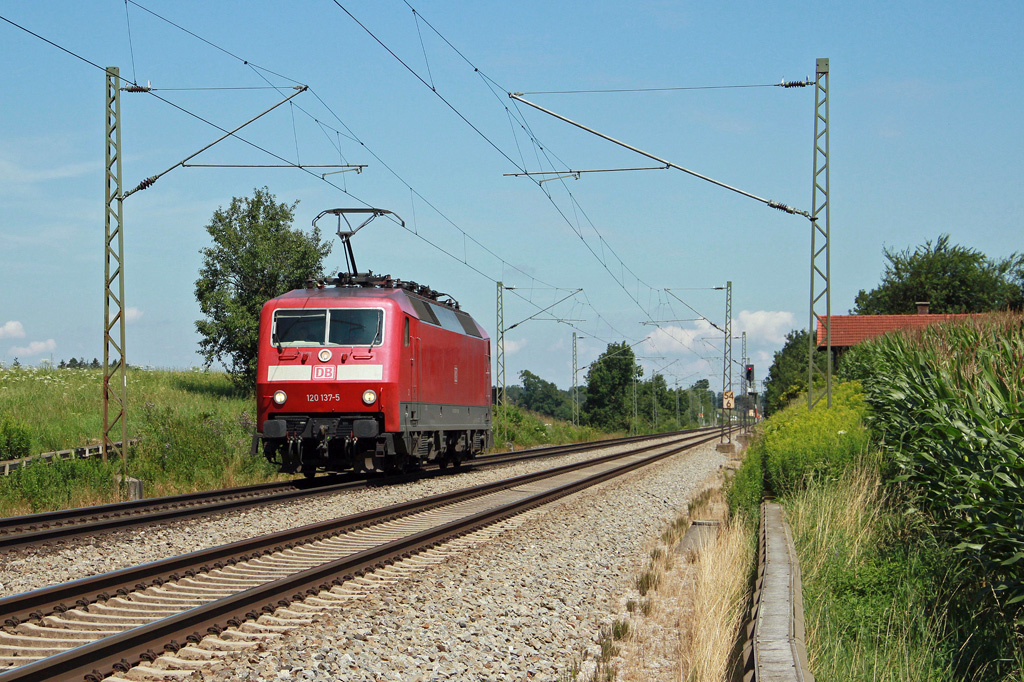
{"x":406,"y":294}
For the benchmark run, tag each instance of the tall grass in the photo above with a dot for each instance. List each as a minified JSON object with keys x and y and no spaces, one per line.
{"x":873,"y":609}
{"x":193,"y":428}
{"x":720,"y":590}
{"x":885,"y":597}
{"x":523,"y":429}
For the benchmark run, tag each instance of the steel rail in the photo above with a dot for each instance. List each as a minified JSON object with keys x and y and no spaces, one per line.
{"x":119,"y":652}
{"x":35,"y":529}
{"x":38,"y":603}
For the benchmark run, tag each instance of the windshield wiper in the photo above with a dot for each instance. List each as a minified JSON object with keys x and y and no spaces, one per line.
{"x":376,"y":334}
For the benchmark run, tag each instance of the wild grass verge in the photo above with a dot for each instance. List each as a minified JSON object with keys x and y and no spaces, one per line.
{"x":673,"y":631}
{"x":518,"y":428}
{"x":888,"y":594}
{"x":193,"y":428}
{"x":873,"y":607}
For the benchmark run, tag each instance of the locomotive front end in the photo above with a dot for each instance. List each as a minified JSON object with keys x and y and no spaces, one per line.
{"x":325,"y":380}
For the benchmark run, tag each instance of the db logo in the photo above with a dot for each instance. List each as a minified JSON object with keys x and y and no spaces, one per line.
{"x":323,"y":372}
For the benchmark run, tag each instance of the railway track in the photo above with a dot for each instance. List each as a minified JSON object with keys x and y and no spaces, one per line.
{"x":90,"y":627}
{"x":57,"y":526}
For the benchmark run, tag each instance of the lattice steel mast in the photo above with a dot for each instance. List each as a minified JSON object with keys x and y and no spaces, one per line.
{"x":821,"y":292}
{"x":743,"y":384}
{"x":727,"y":362}
{"x":575,"y":385}
{"x":115,"y":378}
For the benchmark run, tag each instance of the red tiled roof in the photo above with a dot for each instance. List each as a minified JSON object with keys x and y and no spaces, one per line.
{"x":849,"y":330}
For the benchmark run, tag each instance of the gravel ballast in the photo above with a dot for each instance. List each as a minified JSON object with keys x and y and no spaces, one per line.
{"x":27,"y":569}
{"x":529,"y":604}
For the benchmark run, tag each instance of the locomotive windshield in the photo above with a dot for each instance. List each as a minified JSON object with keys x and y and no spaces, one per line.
{"x":329,"y":327}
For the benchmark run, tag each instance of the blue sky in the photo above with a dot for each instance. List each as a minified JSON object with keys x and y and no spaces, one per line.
{"x":925,"y":140}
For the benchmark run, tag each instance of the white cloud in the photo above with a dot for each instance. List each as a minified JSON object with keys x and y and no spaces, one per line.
{"x":130,"y":314}
{"x":34,"y":348}
{"x":765,"y":327}
{"x":12,"y":330}
{"x":513,"y":347}
{"x":673,"y":340}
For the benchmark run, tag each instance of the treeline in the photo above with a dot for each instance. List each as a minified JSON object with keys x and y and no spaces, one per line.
{"x":80,"y":363}
{"x":617,"y":397}
{"x":73,"y":363}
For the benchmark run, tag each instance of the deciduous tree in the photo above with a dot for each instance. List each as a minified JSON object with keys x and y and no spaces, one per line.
{"x":256,"y":255}
{"x":787,"y":377}
{"x":952,"y":278}
{"x":610,"y":388}
{"x":543,"y":396}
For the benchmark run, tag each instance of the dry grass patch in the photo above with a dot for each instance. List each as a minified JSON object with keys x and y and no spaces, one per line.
{"x":720,"y":591}
{"x":671,"y":618}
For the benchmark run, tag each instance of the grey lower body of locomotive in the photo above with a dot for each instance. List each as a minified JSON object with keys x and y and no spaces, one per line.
{"x":445,"y":434}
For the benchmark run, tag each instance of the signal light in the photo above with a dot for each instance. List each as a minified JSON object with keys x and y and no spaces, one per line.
{"x":750,"y":374}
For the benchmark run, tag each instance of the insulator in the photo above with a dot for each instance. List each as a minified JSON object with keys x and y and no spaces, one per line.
{"x":782,"y":207}
{"x":137,"y":88}
{"x":146,"y":184}
{"x":795,"y":84}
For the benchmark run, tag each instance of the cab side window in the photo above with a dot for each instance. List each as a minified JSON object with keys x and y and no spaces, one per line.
{"x":405,"y":335}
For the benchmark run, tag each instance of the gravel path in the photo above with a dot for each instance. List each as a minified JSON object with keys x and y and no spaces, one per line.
{"x":28,"y":569}
{"x":523,"y":606}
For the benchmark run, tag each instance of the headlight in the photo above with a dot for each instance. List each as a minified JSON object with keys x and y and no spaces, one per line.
{"x":280,"y":397}
{"x":324,"y":355}
{"x":369,"y":396}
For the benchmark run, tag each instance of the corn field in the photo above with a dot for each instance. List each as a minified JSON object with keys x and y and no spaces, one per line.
{"x":947,"y":402}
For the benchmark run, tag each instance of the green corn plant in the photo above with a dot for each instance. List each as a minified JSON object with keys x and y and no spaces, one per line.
{"x":947,"y":402}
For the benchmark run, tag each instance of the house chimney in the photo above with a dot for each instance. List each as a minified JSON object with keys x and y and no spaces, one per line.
{"x":922,"y":307}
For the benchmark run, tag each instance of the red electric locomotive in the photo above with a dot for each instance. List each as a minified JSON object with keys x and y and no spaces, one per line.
{"x":369,"y":372}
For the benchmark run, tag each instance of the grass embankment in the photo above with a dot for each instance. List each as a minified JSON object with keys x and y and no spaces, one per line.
{"x":518,"y":428}
{"x":194,"y":432}
{"x":911,"y":543}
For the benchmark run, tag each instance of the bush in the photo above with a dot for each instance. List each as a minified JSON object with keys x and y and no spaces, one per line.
{"x":799,"y":444}
{"x":62,"y":484}
{"x":15,"y":439}
{"x":796,"y":445}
